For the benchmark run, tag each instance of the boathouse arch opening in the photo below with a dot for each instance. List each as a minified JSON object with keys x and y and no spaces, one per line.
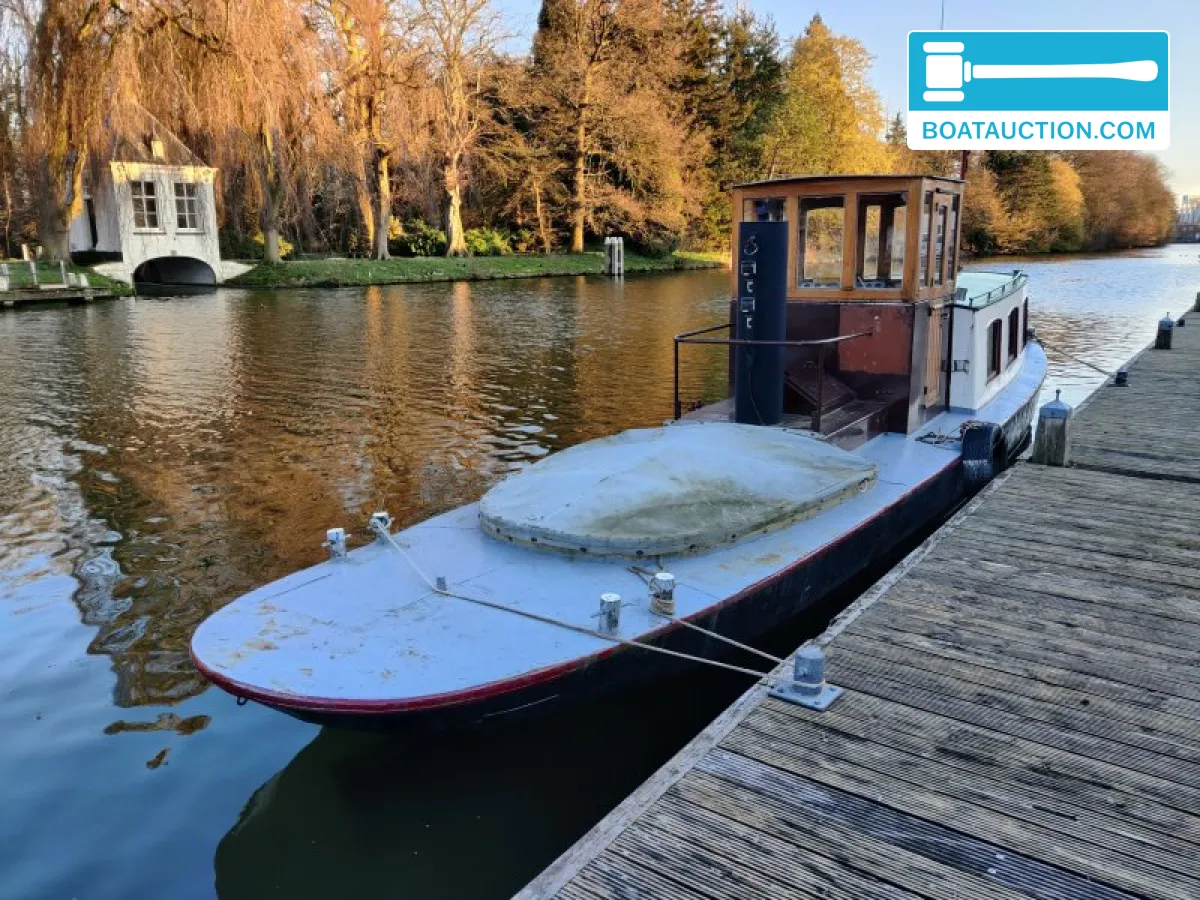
{"x":174,"y":274}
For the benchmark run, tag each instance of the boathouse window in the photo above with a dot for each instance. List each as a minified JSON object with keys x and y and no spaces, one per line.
{"x":994,"y":348}
{"x":881,"y":231}
{"x":187,"y":208}
{"x":926,"y":213}
{"x":1014,"y":334}
{"x":145,"y":205}
{"x":764,"y":209}
{"x":822,"y":225}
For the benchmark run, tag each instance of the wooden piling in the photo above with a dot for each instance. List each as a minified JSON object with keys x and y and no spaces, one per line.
{"x":1021,"y":707}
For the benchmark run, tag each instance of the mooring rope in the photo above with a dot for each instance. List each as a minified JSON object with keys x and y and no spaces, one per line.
{"x":1069,"y":355}
{"x":438,"y":587}
{"x":670,"y":614}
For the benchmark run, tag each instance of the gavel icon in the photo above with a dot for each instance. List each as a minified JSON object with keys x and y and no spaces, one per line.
{"x":946,"y":71}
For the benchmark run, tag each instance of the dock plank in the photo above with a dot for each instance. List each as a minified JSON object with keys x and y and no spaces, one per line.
{"x":1021,"y":715}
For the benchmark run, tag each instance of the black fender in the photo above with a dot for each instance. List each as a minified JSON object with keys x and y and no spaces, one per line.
{"x":983,"y":454}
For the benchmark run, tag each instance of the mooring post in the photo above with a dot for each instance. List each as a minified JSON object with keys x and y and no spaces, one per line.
{"x":62,"y":273}
{"x":1166,"y":328}
{"x":808,"y":686}
{"x":1052,"y":445}
{"x":614,"y":256}
{"x":33,"y":270}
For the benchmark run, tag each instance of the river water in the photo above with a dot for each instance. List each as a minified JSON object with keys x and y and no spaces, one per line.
{"x":161,"y":457}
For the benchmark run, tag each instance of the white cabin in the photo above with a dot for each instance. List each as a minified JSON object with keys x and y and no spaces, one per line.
{"x":149,"y":208}
{"x":990,"y":331}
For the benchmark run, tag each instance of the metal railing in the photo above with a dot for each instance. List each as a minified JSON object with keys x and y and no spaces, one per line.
{"x":822,"y":345}
{"x":996,"y":294}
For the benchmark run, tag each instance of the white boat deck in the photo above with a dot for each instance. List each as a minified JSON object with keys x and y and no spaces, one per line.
{"x":366,"y":633}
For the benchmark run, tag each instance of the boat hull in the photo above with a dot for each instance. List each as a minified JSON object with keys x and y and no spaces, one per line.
{"x":776,"y":598}
{"x":744,"y":617}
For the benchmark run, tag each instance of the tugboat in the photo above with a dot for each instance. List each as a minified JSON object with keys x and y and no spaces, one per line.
{"x":873,"y":388}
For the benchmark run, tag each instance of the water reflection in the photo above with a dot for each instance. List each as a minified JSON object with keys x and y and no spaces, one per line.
{"x":469,"y":815}
{"x":173,"y":455}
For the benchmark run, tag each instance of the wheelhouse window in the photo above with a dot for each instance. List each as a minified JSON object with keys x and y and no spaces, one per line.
{"x":1014,"y":334}
{"x":952,"y":237}
{"x":994,"y":348}
{"x":764,"y":209}
{"x":939,"y":247}
{"x":187,"y":207}
{"x":822,"y":226}
{"x":926,"y":213}
{"x":881,"y":229}
{"x":145,"y":205}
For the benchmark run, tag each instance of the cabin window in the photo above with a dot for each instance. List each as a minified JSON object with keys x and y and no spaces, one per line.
{"x":1025,"y":323}
{"x":952,"y":237}
{"x":822,"y":225}
{"x":926,"y":213}
{"x":187,"y":207}
{"x":145,"y":205}
{"x":881,"y":232}
{"x":939,"y":247}
{"x":994,"y":348}
{"x":764,"y":209}
{"x":1014,"y":334}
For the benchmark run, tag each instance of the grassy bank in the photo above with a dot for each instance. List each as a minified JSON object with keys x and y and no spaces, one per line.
{"x":50,"y":274}
{"x":351,"y":272}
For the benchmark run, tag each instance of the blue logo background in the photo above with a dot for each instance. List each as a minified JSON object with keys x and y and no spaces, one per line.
{"x":1042,"y":48}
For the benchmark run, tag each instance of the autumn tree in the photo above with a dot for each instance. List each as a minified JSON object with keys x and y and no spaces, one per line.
{"x":245,"y":75}
{"x":76,"y":48}
{"x":16,"y":29}
{"x":1126,"y":197}
{"x":373,"y":61}
{"x":831,"y":119}
{"x":460,"y":37}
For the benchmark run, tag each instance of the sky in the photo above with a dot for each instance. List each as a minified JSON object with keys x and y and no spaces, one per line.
{"x":883,"y":26}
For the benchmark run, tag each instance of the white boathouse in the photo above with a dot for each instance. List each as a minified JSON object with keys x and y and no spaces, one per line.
{"x":149,"y":212}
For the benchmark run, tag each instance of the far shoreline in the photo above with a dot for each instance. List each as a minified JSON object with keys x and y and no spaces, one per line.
{"x":345,"y":272}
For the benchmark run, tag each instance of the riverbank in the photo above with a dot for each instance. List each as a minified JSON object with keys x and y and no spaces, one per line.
{"x":360,"y":272}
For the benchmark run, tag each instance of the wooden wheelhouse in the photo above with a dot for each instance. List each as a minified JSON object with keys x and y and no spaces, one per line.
{"x":867,"y":253}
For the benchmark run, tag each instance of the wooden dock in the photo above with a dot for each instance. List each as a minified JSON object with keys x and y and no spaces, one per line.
{"x":16,"y":298}
{"x":1021,"y":714}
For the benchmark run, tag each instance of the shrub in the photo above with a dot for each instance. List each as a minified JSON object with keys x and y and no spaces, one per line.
{"x":488,"y":242}
{"x":235,"y":245}
{"x":419,"y":239}
{"x":656,"y":246}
